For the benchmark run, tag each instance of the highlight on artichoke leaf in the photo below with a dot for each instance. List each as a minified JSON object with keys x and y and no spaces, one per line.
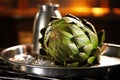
{"x":70,"y":41}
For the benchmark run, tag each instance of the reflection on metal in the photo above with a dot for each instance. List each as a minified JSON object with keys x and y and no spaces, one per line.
{"x":41,"y":21}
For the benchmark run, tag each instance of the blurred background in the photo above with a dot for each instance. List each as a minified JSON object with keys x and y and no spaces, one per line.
{"x":17,"y":17}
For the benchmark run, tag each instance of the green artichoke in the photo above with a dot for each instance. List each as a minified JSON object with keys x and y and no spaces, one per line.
{"x":71,"y":41}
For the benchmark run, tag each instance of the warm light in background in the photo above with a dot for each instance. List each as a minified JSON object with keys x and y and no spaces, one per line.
{"x":100,"y":11}
{"x":83,"y":11}
{"x":86,"y":8}
{"x":116,"y":11}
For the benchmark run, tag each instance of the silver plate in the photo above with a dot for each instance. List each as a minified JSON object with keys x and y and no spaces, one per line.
{"x":109,"y":59}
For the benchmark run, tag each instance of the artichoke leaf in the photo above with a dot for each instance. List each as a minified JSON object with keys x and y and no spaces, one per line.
{"x":89,"y":25}
{"x":88,"y":48}
{"x":80,"y":40}
{"x":72,"y":48}
{"x":93,"y":37}
{"x":91,"y":59}
{"x":101,"y":37}
{"x":84,"y":56}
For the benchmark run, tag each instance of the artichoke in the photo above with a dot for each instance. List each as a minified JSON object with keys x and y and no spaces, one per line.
{"x":71,"y":41}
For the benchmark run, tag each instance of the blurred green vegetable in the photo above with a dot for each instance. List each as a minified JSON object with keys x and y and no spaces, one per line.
{"x":71,"y":41}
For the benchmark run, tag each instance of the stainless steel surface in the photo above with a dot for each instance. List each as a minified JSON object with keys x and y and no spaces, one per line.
{"x":41,"y":21}
{"x":109,"y":59}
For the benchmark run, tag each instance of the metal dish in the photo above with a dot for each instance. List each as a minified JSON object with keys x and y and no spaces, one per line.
{"x":109,"y":59}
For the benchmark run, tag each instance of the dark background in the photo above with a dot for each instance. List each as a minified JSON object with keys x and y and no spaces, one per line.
{"x":10,"y":25}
